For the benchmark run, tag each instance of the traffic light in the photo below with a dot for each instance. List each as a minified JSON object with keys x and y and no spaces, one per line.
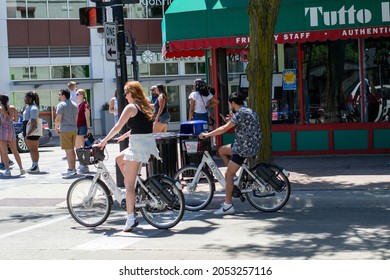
{"x":92,"y":17}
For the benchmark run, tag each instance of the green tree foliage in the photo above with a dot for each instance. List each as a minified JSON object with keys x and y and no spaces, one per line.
{"x":262,"y":20}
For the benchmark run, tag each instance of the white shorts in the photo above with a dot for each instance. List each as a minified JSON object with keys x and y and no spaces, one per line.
{"x":141,"y":147}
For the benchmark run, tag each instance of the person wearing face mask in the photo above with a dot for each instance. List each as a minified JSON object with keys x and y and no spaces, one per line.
{"x":246,"y":144}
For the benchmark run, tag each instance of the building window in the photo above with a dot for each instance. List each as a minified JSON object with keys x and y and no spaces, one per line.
{"x":44,"y":8}
{"x":49,"y":72}
{"x":191,"y":68}
{"x":157,"y":69}
{"x":146,"y":9}
{"x":172,"y":68}
{"x":330,"y":79}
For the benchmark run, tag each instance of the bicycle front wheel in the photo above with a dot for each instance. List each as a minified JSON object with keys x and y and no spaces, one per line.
{"x":197,"y":193}
{"x":163,"y":213}
{"x":276,"y":191}
{"x":89,"y":204}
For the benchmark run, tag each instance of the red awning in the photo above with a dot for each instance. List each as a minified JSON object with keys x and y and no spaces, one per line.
{"x":196,"y":47}
{"x":332,"y":35}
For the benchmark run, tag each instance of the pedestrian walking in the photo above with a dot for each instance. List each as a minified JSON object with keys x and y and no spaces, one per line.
{"x":113,"y":107}
{"x":30,"y":115}
{"x":161,"y":114}
{"x":83,"y":124}
{"x":153,"y":94}
{"x":8,"y":115}
{"x":72,"y":86}
{"x":66,"y":127}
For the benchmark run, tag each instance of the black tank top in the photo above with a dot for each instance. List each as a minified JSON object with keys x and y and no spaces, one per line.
{"x":139,"y":124}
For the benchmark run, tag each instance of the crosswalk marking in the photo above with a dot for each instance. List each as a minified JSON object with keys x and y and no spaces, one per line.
{"x":43,"y":224}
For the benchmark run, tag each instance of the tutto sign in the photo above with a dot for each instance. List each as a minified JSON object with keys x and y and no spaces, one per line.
{"x":345,"y":16}
{"x":331,"y":20}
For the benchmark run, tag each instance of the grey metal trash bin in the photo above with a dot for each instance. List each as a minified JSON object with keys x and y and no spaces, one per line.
{"x":167,"y":145}
{"x":189,"y":132}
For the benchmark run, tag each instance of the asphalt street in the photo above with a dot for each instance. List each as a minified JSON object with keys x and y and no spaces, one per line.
{"x":339,"y":209}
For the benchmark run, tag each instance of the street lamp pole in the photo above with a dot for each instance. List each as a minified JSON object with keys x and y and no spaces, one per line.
{"x":120,"y":73}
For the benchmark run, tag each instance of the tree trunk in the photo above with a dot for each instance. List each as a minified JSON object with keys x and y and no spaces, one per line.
{"x":262,"y":19}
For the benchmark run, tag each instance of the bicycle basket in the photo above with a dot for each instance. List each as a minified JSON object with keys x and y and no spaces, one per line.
{"x":269,"y":176}
{"x":89,"y":155}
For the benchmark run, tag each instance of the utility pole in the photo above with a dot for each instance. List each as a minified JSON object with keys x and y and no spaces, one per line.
{"x":120,"y":64}
{"x":120,"y":74}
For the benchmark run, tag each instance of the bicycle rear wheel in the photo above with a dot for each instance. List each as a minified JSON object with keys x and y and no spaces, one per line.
{"x":197,"y":194}
{"x":158,"y":212}
{"x":275,"y":194}
{"x":89,"y":204}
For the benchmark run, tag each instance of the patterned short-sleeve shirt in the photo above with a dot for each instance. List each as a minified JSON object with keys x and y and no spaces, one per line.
{"x":248,"y":133}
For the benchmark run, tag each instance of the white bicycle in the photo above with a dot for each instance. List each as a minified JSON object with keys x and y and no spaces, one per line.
{"x":265,"y":186}
{"x":89,"y":199}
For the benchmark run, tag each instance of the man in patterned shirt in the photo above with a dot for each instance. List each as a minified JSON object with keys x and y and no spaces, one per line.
{"x":246,"y":144}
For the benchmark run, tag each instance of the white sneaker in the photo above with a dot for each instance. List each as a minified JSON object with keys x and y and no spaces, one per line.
{"x":22,"y":171}
{"x":7,"y":173}
{"x":225,"y":211}
{"x":33,"y":169}
{"x":69,"y":174}
{"x":130,"y":225}
{"x":82,"y":169}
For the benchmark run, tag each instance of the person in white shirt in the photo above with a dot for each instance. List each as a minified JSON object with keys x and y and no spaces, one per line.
{"x":200,"y":101}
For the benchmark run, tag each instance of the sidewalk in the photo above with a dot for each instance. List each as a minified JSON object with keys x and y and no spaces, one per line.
{"x":306,"y":172}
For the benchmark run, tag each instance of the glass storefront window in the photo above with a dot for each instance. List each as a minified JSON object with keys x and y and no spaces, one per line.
{"x":172,"y":68}
{"x":201,"y":68}
{"x":37,"y":9}
{"x":155,"y":10}
{"x":236,"y":66}
{"x":174,"y":102}
{"x":377,"y":73}
{"x":134,"y":11}
{"x":143,"y":69}
{"x":11,"y":8}
{"x":190,"y":68}
{"x":285,"y":101}
{"x":60,"y":72}
{"x":80,"y":71}
{"x":19,"y":73}
{"x":330,"y":77}
{"x":58,"y":8}
{"x":44,"y":8}
{"x":39,"y":72}
{"x":157,"y":69}
{"x":44,"y":72}
{"x":74,"y":6}
{"x":146,"y":9}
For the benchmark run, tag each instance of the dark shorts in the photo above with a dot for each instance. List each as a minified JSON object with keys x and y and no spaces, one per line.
{"x":237,"y":159}
{"x":82,"y":130}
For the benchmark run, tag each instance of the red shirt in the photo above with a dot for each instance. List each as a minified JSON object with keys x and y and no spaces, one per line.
{"x":81,"y":120}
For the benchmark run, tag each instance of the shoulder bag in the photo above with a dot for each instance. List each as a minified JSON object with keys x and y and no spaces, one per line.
{"x":37,"y":131}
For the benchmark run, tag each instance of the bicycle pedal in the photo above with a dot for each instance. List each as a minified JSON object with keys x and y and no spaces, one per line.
{"x":236,"y":192}
{"x":242,"y":198}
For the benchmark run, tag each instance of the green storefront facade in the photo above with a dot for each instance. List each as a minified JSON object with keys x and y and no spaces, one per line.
{"x":331,"y":79}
